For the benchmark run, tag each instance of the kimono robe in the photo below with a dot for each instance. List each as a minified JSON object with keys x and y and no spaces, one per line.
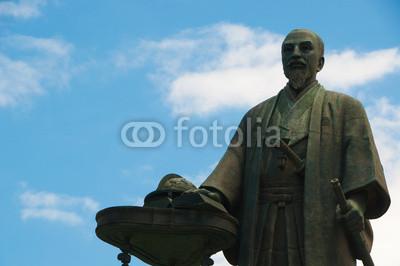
{"x":340,"y":144}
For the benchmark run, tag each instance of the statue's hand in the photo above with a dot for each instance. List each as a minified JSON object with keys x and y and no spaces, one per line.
{"x":201,"y":198}
{"x":352,"y":219}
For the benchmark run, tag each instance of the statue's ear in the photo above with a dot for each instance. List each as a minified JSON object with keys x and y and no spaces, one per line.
{"x":321,"y":63}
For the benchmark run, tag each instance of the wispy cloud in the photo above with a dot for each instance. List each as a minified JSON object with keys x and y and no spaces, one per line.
{"x":30,"y":65}
{"x":349,"y":68}
{"x":47,"y":46}
{"x":233,"y":66}
{"x":385,"y":122}
{"x":219,"y":259}
{"x":50,"y":206}
{"x":22,"y":9}
{"x":55,"y":215}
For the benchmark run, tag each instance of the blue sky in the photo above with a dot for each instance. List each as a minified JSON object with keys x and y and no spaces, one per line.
{"x":73,"y":73}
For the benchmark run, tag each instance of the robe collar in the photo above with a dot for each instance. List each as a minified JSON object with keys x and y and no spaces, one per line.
{"x":293,"y":117}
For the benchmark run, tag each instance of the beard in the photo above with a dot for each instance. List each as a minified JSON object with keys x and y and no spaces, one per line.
{"x":297,"y":77}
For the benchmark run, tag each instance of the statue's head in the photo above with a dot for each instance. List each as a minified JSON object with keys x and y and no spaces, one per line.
{"x":302,"y":57}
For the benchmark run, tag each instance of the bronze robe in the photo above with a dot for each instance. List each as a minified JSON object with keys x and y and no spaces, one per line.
{"x":340,"y":144}
{"x":280,"y":230}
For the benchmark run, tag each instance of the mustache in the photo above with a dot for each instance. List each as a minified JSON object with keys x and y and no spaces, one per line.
{"x":296,"y":61}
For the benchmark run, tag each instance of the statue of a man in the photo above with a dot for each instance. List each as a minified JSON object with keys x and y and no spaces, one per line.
{"x":282,"y":197}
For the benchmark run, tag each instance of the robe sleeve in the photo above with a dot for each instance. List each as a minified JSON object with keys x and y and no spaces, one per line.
{"x":362,"y":167}
{"x":227,"y":177}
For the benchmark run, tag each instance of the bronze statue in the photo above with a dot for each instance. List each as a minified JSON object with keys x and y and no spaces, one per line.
{"x":303,"y":201}
{"x":282,"y":195}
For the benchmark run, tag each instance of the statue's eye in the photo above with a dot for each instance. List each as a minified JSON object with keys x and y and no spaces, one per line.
{"x":306,"y":46}
{"x":288,"y":47}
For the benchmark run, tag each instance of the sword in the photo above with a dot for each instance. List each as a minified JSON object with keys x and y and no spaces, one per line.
{"x":358,"y":238}
{"x":299,"y":163}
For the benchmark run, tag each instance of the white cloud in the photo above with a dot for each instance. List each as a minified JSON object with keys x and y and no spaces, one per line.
{"x":23,"y":9}
{"x":55,"y":207}
{"x":229,"y":66}
{"x":384,"y":251}
{"x":48,"y":199}
{"x":55,"y":215}
{"x":215,"y":90}
{"x":48,"y":46}
{"x":385,"y":121}
{"x":349,"y":68}
{"x":219,"y":259}
{"x":29,"y":66}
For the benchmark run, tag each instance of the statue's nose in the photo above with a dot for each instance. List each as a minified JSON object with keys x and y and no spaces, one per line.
{"x":296,"y":51}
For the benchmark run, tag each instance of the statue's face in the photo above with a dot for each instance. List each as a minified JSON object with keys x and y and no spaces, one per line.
{"x":301,"y":58}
